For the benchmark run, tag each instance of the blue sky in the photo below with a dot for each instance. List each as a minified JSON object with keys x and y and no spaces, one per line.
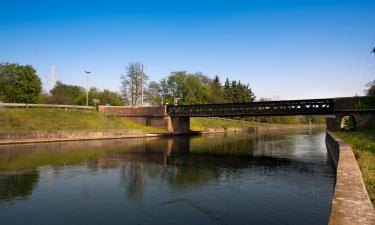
{"x":283,"y":49}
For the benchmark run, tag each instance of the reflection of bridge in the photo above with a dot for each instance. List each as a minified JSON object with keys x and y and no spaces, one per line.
{"x":177,"y":117}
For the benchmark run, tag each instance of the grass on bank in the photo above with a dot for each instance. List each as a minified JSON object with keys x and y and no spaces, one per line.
{"x":363,"y":145}
{"x":201,"y":123}
{"x":59,"y":119}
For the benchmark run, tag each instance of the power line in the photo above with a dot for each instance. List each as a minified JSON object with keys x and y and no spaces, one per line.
{"x":366,"y":68}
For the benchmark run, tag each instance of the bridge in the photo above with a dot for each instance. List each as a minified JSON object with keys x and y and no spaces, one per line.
{"x":176,"y":118}
{"x":266,"y":108}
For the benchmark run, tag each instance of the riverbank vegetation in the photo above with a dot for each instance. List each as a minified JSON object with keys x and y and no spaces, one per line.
{"x":57,"y":119}
{"x":363,"y":145}
{"x":201,"y":124}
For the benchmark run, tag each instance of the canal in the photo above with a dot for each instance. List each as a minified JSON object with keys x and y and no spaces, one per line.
{"x":278,"y":177}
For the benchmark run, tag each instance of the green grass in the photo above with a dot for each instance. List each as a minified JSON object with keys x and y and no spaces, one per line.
{"x":58,"y":119}
{"x":363,"y":144}
{"x":200,"y":124}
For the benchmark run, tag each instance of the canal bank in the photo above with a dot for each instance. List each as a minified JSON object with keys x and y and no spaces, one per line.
{"x":351,"y":203}
{"x":20,"y":137}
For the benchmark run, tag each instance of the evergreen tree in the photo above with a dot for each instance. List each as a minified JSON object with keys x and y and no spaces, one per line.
{"x":217,"y":92}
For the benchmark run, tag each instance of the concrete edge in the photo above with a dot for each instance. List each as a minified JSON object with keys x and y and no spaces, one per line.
{"x":80,"y":138}
{"x":23,"y":137}
{"x":351,"y":203}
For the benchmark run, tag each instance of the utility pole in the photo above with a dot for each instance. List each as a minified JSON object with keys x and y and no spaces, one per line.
{"x":142,"y":81}
{"x":87,"y":87}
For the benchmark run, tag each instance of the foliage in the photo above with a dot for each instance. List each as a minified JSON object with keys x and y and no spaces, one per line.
{"x":347,"y":123}
{"x":105,"y":97}
{"x":369,"y":101}
{"x":200,"y":124}
{"x":65,"y":94}
{"x":363,"y":144}
{"x":288,"y":119}
{"x":236,"y":92}
{"x":19,"y":84}
{"x":56,"y":119}
{"x":371,"y":89}
{"x":75,"y":95}
{"x":217,"y":91}
{"x":131,"y":83}
{"x":181,"y":87}
{"x":153,"y":94}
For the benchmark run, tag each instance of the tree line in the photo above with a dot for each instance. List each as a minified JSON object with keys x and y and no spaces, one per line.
{"x":181,"y":87}
{"x":21,"y":84}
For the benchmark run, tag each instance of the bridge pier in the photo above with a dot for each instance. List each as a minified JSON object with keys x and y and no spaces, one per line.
{"x":180,"y":124}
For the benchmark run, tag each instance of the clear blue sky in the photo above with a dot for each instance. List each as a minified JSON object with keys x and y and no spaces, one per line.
{"x":288,"y":49}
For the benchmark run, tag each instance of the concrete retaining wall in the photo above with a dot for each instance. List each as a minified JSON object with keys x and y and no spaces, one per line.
{"x":350,"y":203}
{"x":48,"y":136}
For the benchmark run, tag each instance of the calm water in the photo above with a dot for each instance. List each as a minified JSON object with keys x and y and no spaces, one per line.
{"x":264,"y":178}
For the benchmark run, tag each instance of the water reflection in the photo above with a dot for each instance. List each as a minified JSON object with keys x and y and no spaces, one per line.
{"x":293,"y":161}
{"x":17,"y":186}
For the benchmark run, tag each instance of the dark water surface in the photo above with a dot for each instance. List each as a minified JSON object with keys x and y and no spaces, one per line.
{"x":241,"y":178}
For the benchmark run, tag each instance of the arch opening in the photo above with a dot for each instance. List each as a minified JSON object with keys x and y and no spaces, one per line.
{"x":347,"y":123}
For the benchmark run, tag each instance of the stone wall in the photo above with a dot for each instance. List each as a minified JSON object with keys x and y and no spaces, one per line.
{"x":350,"y":204}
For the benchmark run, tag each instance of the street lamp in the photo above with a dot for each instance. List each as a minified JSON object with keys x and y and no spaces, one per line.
{"x":87,"y":87}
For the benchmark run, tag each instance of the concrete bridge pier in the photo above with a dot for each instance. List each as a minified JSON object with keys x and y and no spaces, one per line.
{"x":180,"y":124}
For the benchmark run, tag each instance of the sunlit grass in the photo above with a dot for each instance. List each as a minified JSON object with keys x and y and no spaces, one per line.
{"x":201,"y":124}
{"x":363,"y":144}
{"x":58,"y":119}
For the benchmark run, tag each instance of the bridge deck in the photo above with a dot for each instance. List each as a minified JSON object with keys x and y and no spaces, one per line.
{"x":268,"y":108}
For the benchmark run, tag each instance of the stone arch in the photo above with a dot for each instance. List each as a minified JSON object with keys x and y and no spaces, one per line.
{"x":347,"y":122}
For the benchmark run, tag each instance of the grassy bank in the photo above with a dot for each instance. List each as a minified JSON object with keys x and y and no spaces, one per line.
{"x":57,"y":119}
{"x":200,"y":124}
{"x":363,"y":144}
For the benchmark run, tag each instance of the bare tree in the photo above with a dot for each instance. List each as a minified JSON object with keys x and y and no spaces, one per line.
{"x":131,"y":83}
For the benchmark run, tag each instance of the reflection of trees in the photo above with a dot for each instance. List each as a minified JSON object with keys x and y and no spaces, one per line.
{"x":182,"y":161}
{"x":132,"y":178}
{"x":18,"y":186}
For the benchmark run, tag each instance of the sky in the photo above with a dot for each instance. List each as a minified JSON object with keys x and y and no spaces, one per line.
{"x":283,"y":49}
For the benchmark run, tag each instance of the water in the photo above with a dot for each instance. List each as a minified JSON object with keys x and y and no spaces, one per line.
{"x":240,"y":178}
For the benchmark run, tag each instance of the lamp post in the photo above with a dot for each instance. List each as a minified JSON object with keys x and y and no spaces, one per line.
{"x":87,"y":87}
{"x":142,"y":81}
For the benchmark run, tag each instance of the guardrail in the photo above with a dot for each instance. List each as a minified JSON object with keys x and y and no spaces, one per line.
{"x":51,"y":106}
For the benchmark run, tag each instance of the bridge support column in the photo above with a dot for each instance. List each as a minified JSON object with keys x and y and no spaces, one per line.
{"x":361,"y":120}
{"x":180,"y":124}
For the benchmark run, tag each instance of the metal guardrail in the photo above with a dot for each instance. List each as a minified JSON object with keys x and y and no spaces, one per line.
{"x":51,"y":106}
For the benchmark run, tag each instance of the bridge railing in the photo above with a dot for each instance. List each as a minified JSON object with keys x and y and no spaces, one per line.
{"x":269,"y":108}
{"x":53,"y":106}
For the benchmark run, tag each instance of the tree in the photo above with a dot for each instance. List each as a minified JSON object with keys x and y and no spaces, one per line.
{"x":67,"y":94}
{"x":154,"y":94}
{"x":19,"y":84}
{"x":217,"y":92}
{"x":236,"y":92}
{"x":371,"y":90}
{"x":131,"y":83}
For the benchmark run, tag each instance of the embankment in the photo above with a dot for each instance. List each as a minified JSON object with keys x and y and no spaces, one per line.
{"x":350,"y":203}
